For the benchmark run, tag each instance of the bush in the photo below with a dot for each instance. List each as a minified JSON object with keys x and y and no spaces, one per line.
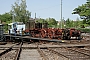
{"x":84,"y":30}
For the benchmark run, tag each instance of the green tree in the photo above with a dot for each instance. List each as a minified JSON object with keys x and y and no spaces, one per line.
{"x":83,"y":11}
{"x":51,"y":22}
{"x":19,"y":11}
{"x":76,"y":23}
{"x":68,"y":23}
{"x":41,"y":20}
{"x":6,"y":17}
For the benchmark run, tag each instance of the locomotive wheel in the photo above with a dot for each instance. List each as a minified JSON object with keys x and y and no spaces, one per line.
{"x":59,"y":37}
{"x":50,"y":35}
{"x":79,"y":38}
{"x":69,"y":37}
{"x":43,"y":33}
{"x":60,"y":34}
{"x":32,"y":34}
{"x":63,"y":37}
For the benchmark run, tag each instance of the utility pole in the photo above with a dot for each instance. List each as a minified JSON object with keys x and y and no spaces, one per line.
{"x":61,"y":14}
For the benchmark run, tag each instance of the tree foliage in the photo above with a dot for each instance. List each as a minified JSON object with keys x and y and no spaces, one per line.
{"x":83,"y":11}
{"x":73,"y":23}
{"x":19,"y":11}
{"x":41,"y":20}
{"x":51,"y":22}
{"x":5,"y":17}
{"x":69,"y":23}
{"x":77,"y":23}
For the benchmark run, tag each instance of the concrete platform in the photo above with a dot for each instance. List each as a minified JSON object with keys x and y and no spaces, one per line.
{"x":29,"y":45}
{"x":30,"y":54}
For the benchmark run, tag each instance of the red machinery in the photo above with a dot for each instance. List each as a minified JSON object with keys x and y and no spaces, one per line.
{"x":75,"y":33}
{"x":42,"y":31}
{"x":55,"y":33}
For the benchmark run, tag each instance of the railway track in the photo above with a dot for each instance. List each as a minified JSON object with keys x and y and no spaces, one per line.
{"x":18,"y":52}
{"x":63,"y":54}
{"x":81,"y":50}
{"x":30,"y":53}
{"x":50,"y":55}
{"x":47,"y":51}
{"x":73,"y":53}
{"x":10,"y":53}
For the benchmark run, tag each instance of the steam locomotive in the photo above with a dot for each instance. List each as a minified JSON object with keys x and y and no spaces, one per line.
{"x":41,"y":30}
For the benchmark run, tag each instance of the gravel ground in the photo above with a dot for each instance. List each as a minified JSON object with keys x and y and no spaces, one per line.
{"x":72,"y":54}
{"x":85,"y":34}
{"x":53,"y":56}
{"x":9,"y":56}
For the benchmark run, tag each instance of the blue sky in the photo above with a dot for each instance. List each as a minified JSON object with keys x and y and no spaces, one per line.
{"x":46,"y":8}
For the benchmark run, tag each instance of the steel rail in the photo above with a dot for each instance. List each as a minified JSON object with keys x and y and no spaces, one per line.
{"x":59,"y":53}
{"x":18,"y":52}
{"x":7,"y":50}
{"x":79,"y":52}
{"x":42,"y":54}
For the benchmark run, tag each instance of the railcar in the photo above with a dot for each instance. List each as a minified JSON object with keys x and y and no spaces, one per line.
{"x":16,"y":28}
